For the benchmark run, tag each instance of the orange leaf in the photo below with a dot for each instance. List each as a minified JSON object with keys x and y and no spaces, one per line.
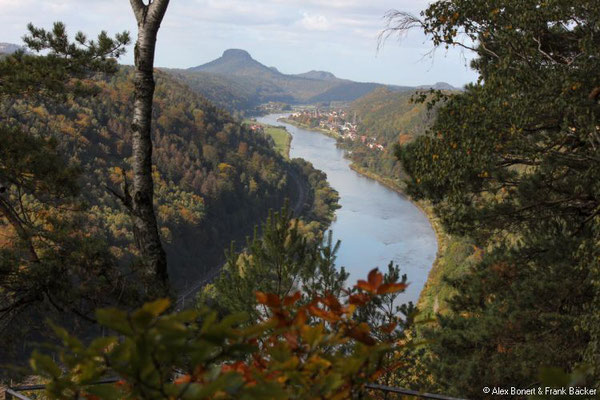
{"x":391,"y":288}
{"x":183,"y":379}
{"x":290,"y":300}
{"x":361,"y":333}
{"x":389,"y":327}
{"x":268,"y":299}
{"x":326,"y":315}
{"x":359,"y":299}
{"x":261,"y":297}
{"x":375,"y":278}
{"x":273,"y":300}
{"x":292,"y":339}
{"x":300,"y":318}
{"x":364,"y":285}
{"x":333,"y":303}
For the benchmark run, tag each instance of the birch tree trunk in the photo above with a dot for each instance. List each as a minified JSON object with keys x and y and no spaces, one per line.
{"x":146,"y":233}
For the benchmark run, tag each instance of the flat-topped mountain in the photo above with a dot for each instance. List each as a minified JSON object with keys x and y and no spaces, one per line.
{"x":236,"y":62}
{"x":439,"y":86}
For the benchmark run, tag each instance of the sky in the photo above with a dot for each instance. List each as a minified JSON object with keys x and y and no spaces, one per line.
{"x":295,"y":36}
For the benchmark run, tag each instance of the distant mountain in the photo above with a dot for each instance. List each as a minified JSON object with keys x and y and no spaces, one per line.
{"x":439,"y":86}
{"x":320,"y":75}
{"x":239,"y":63}
{"x":237,"y":81}
{"x":9,"y":48}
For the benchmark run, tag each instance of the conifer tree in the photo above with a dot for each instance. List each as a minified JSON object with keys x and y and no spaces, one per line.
{"x":278,"y":260}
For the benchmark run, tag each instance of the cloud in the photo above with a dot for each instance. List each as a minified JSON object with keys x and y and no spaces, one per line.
{"x":315,"y":22}
{"x":293,"y":35}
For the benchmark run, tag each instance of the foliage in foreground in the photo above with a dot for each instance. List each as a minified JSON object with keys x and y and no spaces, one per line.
{"x":295,"y":351}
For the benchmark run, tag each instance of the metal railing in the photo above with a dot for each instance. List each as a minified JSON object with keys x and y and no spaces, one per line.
{"x":12,"y":393}
{"x":408,"y":392}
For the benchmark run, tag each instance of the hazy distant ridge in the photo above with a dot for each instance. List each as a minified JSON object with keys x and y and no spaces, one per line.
{"x":9,"y":48}
{"x":237,"y":81}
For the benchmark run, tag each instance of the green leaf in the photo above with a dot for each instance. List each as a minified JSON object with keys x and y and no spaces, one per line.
{"x":107,"y":392}
{"x":114,"y":319}
{"x":44,"y":365}
{"x":157,"y":307}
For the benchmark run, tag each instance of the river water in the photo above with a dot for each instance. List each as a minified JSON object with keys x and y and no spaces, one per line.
{"x":376,"y":225}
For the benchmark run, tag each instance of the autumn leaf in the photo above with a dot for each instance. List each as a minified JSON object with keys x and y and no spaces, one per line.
{"x":268,"y":299}
{"x":391,"y":288}
{"x":359,"y":299}
{"x":375,"y":278}
{"x":261,"y":297}
{"x":323,"y":314}
{"x":389,"y":327}
{"x":364,"y":285}
{"x":300,"y":318}
{"x":292,"y":339}
{"x":362,"y":334}
{"x":333,"y":303}
{"x":291,"y":300}
{"x":183,"y":379}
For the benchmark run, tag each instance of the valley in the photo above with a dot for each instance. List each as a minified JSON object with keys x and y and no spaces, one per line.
{"x":264,"y":200}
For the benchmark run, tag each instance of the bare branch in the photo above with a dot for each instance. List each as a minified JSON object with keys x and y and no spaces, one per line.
{"x":398,"y":23}
{"x":548,"y":56}
{"x":486,"y":49}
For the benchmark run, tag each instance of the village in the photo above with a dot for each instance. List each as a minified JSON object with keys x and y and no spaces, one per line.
{"x":337,"y":122}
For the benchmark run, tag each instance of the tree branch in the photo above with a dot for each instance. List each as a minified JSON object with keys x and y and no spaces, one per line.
{"x":139,"y":10}
{"x":157,"y":10}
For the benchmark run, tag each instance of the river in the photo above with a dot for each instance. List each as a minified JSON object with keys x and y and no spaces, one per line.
{"x":376,"y":225}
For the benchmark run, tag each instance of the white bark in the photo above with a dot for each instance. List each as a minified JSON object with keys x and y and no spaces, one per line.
{"x":146,"y":233}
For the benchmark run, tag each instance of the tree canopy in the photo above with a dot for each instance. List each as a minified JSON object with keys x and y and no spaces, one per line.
{"x":43,"y":234}
{"x":513,"y":163}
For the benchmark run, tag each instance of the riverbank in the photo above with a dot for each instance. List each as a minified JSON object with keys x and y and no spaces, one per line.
{"x":297,"y":124}
{"x":375,"y":224}
{"x":280,"y":135}
{"x":427,"y":299}
{"x":454,"y":257}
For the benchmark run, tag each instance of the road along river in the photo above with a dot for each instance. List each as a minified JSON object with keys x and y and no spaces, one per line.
{"x":375,"y":224}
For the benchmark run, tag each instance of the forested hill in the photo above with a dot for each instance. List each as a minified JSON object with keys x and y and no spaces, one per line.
{"x":214,"y":179}
{"x":390,"y":116}
{"x":385,"y":117}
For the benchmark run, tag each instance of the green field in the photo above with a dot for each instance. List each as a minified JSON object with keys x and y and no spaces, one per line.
{"x":280,"y":135}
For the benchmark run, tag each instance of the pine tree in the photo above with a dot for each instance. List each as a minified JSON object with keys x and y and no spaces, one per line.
{"x":279,"y":260}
